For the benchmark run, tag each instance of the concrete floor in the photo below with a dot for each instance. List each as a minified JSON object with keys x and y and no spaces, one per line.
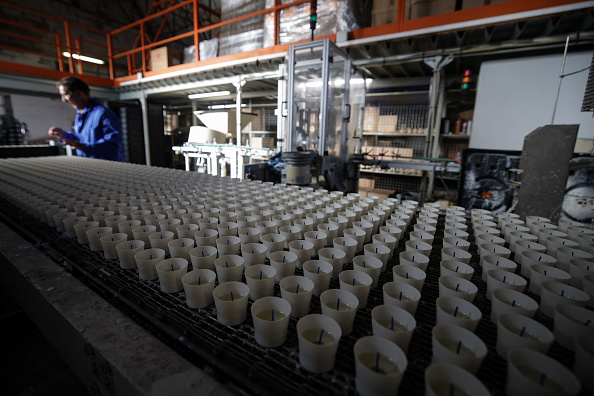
{"x":30,"y":365}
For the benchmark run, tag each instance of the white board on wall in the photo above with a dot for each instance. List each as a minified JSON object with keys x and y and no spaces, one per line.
{"x":41,"y":113}
{"x":516,"y":96}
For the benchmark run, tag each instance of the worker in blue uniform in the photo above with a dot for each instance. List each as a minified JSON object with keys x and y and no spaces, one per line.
{"x":97,"y":130}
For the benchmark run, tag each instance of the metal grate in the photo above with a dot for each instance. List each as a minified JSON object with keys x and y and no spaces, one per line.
{"x":199,"y":337}
{"x":588,"y":103}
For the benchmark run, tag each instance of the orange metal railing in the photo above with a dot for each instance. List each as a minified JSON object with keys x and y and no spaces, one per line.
{"x":123,"y":63}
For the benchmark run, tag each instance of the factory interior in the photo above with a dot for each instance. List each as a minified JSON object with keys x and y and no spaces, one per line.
{"x":333,"y":197}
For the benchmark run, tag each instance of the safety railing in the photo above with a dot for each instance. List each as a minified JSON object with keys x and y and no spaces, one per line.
{"x":69,"y":47}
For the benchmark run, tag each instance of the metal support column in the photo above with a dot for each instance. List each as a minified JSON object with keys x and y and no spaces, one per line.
{"x":145,"y":128}
{"x":281,"y":110}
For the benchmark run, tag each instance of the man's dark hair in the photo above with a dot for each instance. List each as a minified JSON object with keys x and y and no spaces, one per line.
{"x":73,"y":84}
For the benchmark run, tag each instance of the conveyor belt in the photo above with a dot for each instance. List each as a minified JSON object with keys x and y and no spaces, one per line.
{"x":233,"y":353}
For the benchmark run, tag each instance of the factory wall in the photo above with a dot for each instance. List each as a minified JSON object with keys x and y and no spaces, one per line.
{"x":516,"y":96}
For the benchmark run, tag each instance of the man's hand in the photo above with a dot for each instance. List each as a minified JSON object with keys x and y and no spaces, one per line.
{"x":73,"y":143}
{"x":55,"y":131}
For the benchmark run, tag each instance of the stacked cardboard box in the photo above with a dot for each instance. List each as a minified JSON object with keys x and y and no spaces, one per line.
{"x":370,"y":120}
{"x":387,"y":123}
{"x":163,"y":57}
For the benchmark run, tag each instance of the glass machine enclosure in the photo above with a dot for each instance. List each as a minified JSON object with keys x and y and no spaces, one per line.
{"x":319,"y":109}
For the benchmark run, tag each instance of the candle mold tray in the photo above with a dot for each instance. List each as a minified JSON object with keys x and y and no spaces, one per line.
{"x":231,"y":354}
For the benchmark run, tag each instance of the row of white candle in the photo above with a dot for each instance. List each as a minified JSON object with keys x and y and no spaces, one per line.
{"x":418,"y":235}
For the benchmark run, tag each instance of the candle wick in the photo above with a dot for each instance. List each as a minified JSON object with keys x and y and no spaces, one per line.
{"x":456,"y":312}
{"x":407,"y":275}
{"x":457,"y":286}
{"x":377,"y":362}
{"x":297,"y":289}
{"x":454,"y":254}
{"x":283,"y":259}
{"x":522,"y":332}
{"x":588,"y":322}
{"x":203,"y":253}
{"x":231,"y":296}
{"x":413,"y":258}
{"x":391,"y":323}
{"x":457,"y":268}
{"x":562,"y":292}
{"x":321,"y":334}
{"x":514,"y":303}
{"x":543,"y":377}
{"x":227,"y":264}
{"x":504,"y":279}
{"x":353,"y":282}
{"x":363,"y":264}
{"x":452,"y":389}
{"x":459,"y":347}
{"x":172,"y":267}
{"x":273,"y":315}
{"x":338,"y":305}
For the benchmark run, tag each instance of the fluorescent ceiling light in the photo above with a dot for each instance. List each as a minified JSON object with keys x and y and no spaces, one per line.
{"x":209,"y":94}
{"x":227,"y":106}
{"x":84,"y":58}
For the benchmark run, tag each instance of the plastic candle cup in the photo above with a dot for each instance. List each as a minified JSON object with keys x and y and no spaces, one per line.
{"x":489,"y":238}
{"x":372,"y":266}
{"x":186,"y":230}
{"x":455,"y":268}
{"x":318,"y":239}
{"x":169,"y":225}
{"x":502,"y":279}
{"x":253,"y":253}
{"x":229,"y":268}
{"x":358,"y":283}
{"x":378,"y":251}
{"x":273,"y":243}
{"x":305,"y":224}
{"x":61,"y":216}
{"x":530,"y":371}
{"x":291,"y":233}
{"x":540,"y":273}
{"x":203,"y":257}
{"x":260,"y":279}
{"x":455,"y":254}
{"x":411,"y":275}
{"x":191,"y":218}
{"x":227,"y":229}
{"x":518,"y":331}
{"x":284,"y":263}
{"x":318,"y":337}
{"x":356,"y":234}
{"x":555,"y":293}
{"x":491,"y":262}
{"x":458,"y":312}
{"x":418,"y":246}
{"x":126,"y":226}
{"x":340,"y":305}
{"x":180,"y":248}
{"x":447,"y":379}
{"x":94,"y":237}
{"x":333,"y":256}
{"x":420,"y":236}
{"x":198,"y":286}
{"x":206,"y":237}
{"x":267,"y":227}
{"x":565,"y":254}
{"x":246,"y":221}
{"x":392,"y":230}
{"x":302,"y":249}
{"x":365,"y":226}
{"x":455,"y":233}
{"x":457,"y":287}
{"x":584,"y":360}
{"x":456,"y":345}
{"x":80,"y":229}
{"x":424,"y":227}
{"x":271,"y":320}
{"x":331,"y":231}
{"x":70,"y":222}
{"x":456,"y":227}
{"x":153,"y":219}
{"x":531,"y":258}
{"x":379,"y":366}
{"x":109,"y":243}
{"x":142,"y":233}
{"x":126,"y":251}
{"x":348,"y":245}
{"x":297,"y":290}
{"x":508,"y":300}
{"x":578,"y":268}
{"x":208,"y":223}
{"x":414,"y":259}
{"x":394,"y":324}
{"x":231,"y":300}
{"x":161,"y":240}
{"x":227,"y":245}
{"x":146,"y":262}
{"x":341,"y":223}
{"x":525,"y":244}
{"x":170,"y":272}
{"x":249,"y":235}
{"x":490,"y":249}
{"x":553,"y":243}
{"x":320,"y":273}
